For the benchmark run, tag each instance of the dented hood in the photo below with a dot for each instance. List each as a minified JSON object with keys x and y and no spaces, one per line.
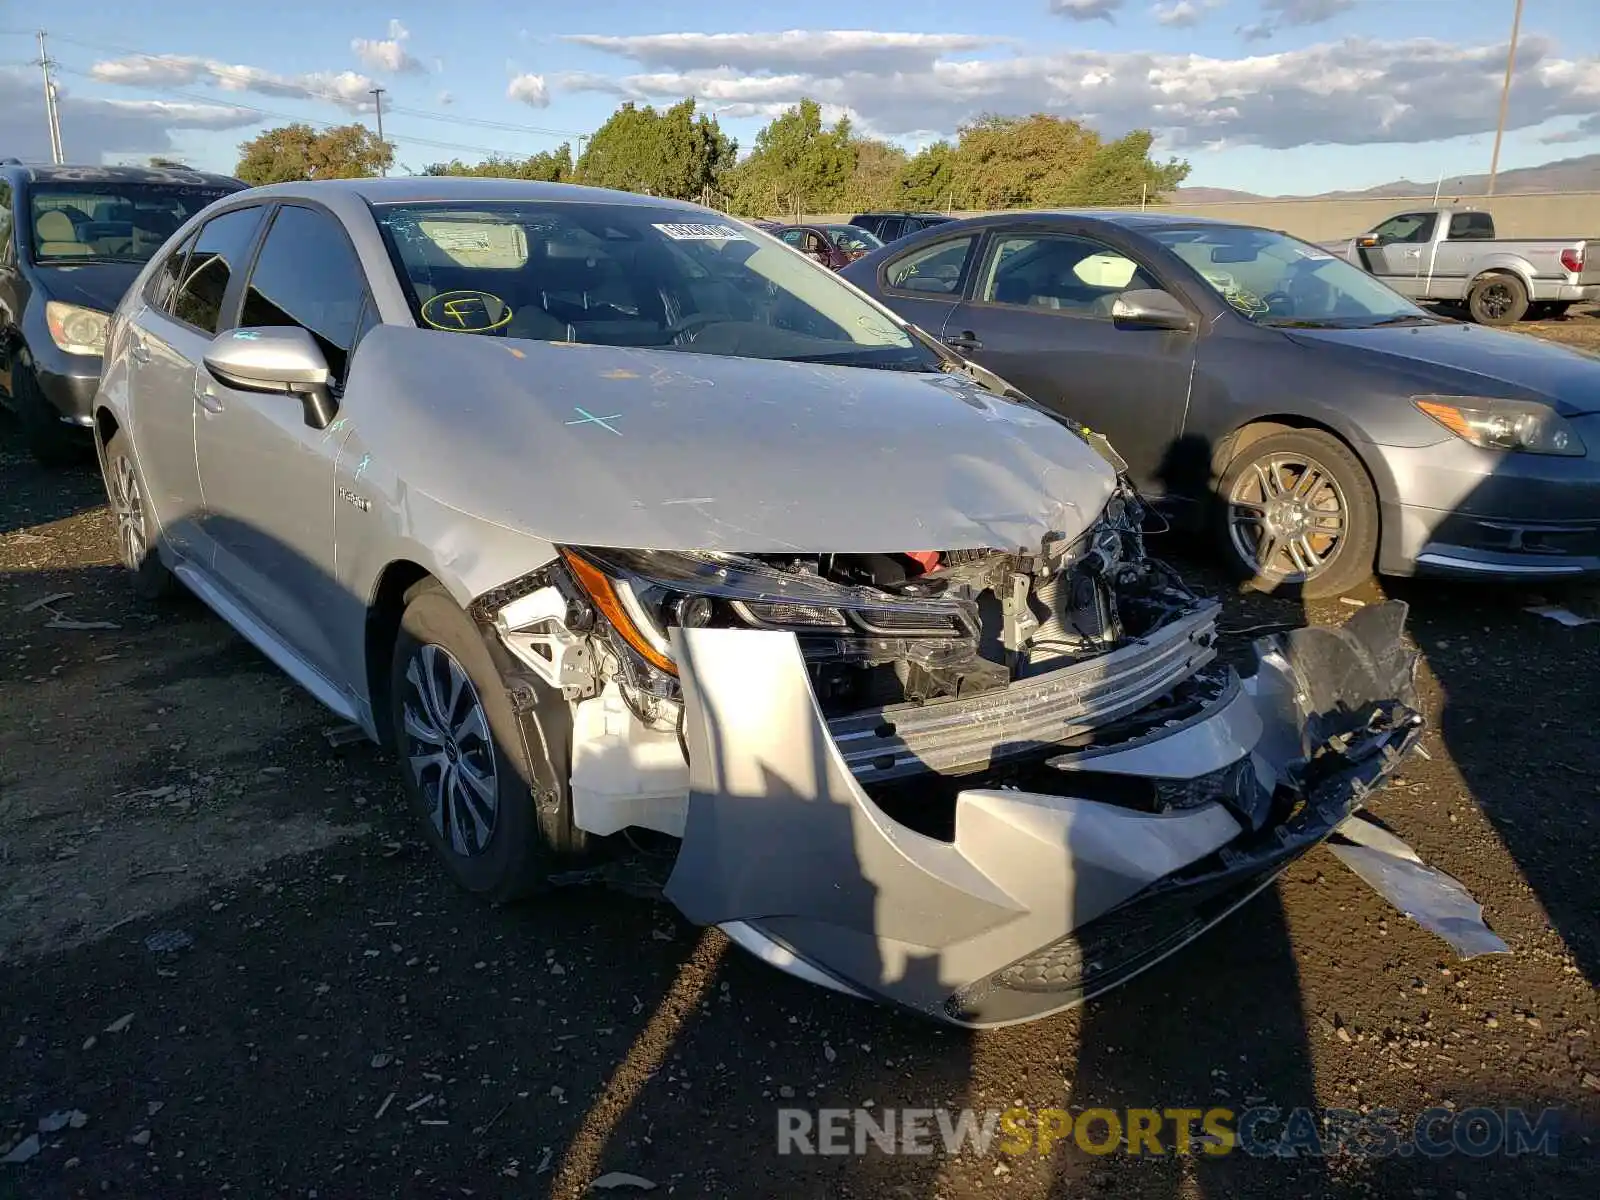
{"x":666,"y":450}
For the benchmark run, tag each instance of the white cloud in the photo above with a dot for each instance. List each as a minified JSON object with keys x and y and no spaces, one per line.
{"x":1183,"y":14}
{"x":1352,"y":92}
{"x":1306,"y":12}
{"x":347,"y":89}
{"x":1086,"y":10}
{"x":530,"y":89}
{"x":389,"y":54}
{"x":94,"y":129}
{"x":1280,"y":14}
{"x":835,"y":49}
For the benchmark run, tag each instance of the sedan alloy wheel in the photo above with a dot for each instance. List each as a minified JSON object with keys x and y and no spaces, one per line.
{"x":1287,"y":517}
{"x":449,"y":750}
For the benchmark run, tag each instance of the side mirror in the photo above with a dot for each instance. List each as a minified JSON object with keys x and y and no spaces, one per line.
{"x":1150,"y":308}
{"x":1367,"y":242}
{"x":279,"y":358}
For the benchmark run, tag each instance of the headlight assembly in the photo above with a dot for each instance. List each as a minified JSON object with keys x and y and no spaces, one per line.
{"x":1496,"y":424}
{"x":645,"y":593}
{"x":75,"y":329}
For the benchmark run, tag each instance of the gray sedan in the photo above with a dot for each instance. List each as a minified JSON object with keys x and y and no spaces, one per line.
{"x":607,"y":513}
{"x":1320,"y":424}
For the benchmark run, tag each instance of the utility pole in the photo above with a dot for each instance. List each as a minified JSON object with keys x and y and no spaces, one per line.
{"x":52,"y":115}
{"x":1505,"y":96}
{"x":377,"y":98}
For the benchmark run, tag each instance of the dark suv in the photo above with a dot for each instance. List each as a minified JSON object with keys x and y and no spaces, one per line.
{"x":887,"y":226}
{"x":71,"y":241}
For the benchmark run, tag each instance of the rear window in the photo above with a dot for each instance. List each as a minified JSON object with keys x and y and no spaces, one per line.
{"x":110,"y":222}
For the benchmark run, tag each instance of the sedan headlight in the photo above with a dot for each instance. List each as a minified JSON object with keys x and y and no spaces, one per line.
{"x":643,"y":593}
{"x":1496,"y":424}
{"x":75,"y":329}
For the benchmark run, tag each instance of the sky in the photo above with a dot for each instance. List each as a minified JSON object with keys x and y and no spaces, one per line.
{"x":1277,"y":97}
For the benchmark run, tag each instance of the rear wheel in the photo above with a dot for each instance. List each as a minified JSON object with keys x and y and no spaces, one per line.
{"x":1299,"y":515}
{"x":136,"y":524}
{"x":490,"y":786}
{"x":1498,"y":299}
{"x":51,"y":441}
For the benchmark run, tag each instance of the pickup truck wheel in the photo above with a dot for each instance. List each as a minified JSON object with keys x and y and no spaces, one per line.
{"x":496,"y":819}
{"x":51,"y":442}
{"x":1497,"y":299}
{"x":1299,"y":515}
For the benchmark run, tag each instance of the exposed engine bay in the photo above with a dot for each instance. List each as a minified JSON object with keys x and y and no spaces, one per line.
{"x":888,"y":639}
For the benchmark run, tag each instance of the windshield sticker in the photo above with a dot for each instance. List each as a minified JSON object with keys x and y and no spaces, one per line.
{"x":497,"y":245}
{"x":688,"y":232}
{"x":1312,"y":253}
{"x":466,"y":311}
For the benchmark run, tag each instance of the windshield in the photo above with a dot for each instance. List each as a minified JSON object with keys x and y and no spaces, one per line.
{"x":110,"y":222}
{"x":633,"y":275}
{"x":851,"y":239}
{"x":1277,"y":280}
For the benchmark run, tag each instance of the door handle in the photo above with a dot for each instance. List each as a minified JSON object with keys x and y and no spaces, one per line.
{"x":965,"y":341}
{"x":206,"y":396}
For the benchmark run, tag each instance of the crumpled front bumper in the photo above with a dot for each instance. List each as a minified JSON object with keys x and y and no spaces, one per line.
{"x":1042,"y":897}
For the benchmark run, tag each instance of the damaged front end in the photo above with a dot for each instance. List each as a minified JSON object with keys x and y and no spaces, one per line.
{"x":984,"y":783}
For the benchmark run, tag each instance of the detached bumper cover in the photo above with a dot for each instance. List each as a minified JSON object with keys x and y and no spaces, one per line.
{"x":1042,"y":898}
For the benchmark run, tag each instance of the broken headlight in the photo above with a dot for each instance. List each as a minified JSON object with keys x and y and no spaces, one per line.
{"x":644,"y":593}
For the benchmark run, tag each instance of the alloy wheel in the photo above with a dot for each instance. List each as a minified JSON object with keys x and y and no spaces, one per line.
{"x":1495,"y":300}
{"x":127,"y":507}
{"x":1287,"y":517}
{"x":449,"y":750}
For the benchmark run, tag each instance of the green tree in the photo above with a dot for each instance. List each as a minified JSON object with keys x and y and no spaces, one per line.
{"x":548,"y":166}
{"x":797,"y":165}
{"x":293,"y":152}
{"x":1015,"y":162}
{"x":672,"y":153}
{"x":1122,"y":172}
{"x":873,"y":180}
{"x":929,"y":179}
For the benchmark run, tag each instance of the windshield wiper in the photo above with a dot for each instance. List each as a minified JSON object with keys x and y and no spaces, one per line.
{"x":1406,"y":319}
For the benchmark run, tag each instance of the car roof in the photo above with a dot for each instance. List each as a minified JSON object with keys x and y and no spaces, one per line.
{"x":52,"y":173}
{"x":418,"y":189}
{"x":1125,"y":220}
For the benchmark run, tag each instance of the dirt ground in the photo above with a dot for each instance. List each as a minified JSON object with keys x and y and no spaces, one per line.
{"x":223,"y":945}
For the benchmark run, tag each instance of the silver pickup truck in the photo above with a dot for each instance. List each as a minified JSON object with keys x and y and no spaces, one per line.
{"x":1452,"y":255}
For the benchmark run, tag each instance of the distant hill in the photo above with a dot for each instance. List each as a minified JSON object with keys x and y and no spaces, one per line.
{"x":1567,"y":175}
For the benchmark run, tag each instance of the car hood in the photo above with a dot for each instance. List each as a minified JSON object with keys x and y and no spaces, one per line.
{"x":665,"y":450}
{"x":93,"y":285}
{"x":1472,"y":360}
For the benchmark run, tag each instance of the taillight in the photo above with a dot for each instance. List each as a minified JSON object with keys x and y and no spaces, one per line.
{"x":1572,"y":258}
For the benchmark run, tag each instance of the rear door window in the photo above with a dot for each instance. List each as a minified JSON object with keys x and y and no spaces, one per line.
{"x":164,"y":279}
{"x":937,"y":269}
{"x":219,"y":254}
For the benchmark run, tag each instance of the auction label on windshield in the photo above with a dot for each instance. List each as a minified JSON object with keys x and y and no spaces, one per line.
{"x":688,"y":232}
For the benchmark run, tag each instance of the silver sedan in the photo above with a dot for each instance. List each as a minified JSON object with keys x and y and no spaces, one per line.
{"x":610,"y":513}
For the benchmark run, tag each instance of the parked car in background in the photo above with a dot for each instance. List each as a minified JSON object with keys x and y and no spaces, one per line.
{"x":887,"y":226}
{"x":834,"y":246}
{"x":71,"y":241}
{"x":1452,"y":255}
{"x":607,"y":514}
{"x":1325,"y":424}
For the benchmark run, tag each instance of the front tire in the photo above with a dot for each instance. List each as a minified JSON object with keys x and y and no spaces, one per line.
{"x":1498,"y":298}
{"x":136,"y":524}
{"x":495,"y":818}
{"x":1299,"y":516}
